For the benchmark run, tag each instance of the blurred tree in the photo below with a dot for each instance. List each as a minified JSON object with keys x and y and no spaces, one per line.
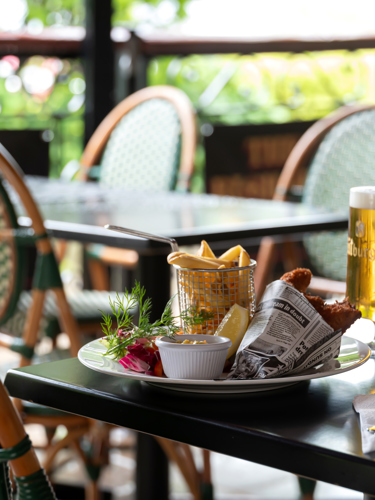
{"x":44,"y":92}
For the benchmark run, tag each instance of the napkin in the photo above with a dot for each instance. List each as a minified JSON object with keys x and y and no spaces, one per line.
{"x":364,"y":405}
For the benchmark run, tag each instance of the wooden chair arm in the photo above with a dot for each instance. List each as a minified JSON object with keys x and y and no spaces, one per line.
{"x":307,"y":145}
{"x":322,"y":286}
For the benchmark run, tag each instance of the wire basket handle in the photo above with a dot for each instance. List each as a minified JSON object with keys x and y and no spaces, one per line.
{"x":148,"y":236}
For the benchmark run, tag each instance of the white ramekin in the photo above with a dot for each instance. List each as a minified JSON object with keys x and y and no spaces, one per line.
{"x":193,"y":361}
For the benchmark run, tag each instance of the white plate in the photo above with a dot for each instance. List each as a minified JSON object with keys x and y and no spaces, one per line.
{"x":353,"y":353}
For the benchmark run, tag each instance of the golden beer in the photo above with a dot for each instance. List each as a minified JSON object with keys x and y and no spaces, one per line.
{"x":360,"y":282}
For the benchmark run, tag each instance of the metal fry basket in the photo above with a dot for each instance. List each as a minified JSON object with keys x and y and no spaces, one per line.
{"x":214,"y":291}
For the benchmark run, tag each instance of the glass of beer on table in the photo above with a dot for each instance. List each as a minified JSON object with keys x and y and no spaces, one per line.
{"x":360,"y":281}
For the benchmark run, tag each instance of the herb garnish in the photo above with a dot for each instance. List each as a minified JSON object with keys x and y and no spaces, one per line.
{"x":125,"y":333}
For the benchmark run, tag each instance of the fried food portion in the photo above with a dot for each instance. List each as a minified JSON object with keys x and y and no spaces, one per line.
{"x":317,"y":302}
{"x":299,"y":278}
{"x":338,"y":315}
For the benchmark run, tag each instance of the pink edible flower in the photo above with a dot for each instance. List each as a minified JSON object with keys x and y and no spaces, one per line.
{"x":140,"y":352}
{"x":131,"y":362}
{"x":122,"y":334}
{"x":142,"y":341}
{"x":139,"y":359}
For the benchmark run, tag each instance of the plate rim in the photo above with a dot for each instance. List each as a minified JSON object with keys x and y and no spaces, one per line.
{"x":196,"y":384}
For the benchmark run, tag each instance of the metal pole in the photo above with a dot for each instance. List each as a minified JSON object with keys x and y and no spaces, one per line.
{"x":98,"y":63}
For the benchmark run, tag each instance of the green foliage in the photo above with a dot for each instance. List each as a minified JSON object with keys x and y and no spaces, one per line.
{"x":267,"y":88}
{"x":124,"y":11}
{"x":125,"y":332}
{"x":59,"y":109}
{"x":50,"y":12}
{"x":258,"y":88}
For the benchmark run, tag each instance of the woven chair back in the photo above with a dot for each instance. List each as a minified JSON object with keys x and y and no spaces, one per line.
{"x":345,"y":158}
{"x":143,"y":151}
{"x":12,"y":258}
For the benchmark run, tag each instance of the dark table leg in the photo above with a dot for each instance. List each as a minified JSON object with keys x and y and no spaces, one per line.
{"x":154,"y":273}
{"x":152,"y":464}
{"x":152,"y":470}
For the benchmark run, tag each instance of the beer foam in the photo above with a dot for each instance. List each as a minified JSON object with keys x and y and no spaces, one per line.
{"x":362,"y":197}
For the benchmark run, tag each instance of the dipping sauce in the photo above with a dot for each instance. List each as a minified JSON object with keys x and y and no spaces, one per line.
{"x":191,"y":342}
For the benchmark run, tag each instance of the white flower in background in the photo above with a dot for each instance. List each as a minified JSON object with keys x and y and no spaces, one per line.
{"x":12,"y":14}
{"x":76,"y":102}
{"x":35,"y":26}
{"x":13,"y":84}
{"x":5,"y":69}
{"x":77,"y":86}
{"x":37,"y":80}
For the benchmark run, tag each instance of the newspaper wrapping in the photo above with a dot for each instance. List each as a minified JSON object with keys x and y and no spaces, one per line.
{"x":286,"y":335}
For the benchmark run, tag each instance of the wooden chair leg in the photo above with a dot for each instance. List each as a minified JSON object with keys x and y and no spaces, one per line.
{"x":68,"y":321}
{"x":92,"y":485}
{"x":173,"y":452}
{"x":11,"y":433}
{"x":265,"y":259}
{"x":92,"y":491}
{"x":73,"y":436}
{"x":291,"y":257}
{"x":99,"y":275}
{"x":307,"y":488}
{"x":207,"y":490}
{"x":59,"y":248}
{"x":34,"y":315}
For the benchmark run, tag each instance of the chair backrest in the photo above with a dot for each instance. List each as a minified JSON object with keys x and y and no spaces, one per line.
{"x":147,"y":142}
{"x":339,"y":152}
{"x":16,"y":449}
{"x":12,"y":258}
{"x":46,"y":276}
{"x":344,"y":159}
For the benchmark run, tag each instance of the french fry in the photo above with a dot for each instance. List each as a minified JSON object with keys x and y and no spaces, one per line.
{"x":232,"y":254}
{"x":193,"y":262}
{"x":173,"y":255}
{"x":244,"y":259}
{"x":205,"y":289}
{"x":222,"y":262}
{"x":205,"y":250}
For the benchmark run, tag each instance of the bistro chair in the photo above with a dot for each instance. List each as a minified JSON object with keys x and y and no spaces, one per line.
{"x":337,"y":153}
{"x":146,"y":143}
{"x":14,"y":244}
{"x":16,"y":450}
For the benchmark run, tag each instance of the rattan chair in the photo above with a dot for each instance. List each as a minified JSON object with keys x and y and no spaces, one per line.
{"x":146,"y":143}
{"x":338,"y":153}
{"x":14,"y":244}
{"x":16,"y":450}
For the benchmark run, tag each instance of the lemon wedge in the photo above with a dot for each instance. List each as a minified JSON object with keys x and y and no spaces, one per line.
{"x":234,"y":326}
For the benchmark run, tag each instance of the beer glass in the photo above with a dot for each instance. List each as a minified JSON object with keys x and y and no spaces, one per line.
{"x":360,"y":281}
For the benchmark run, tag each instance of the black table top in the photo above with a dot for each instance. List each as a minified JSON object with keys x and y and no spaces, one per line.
{"x":309,"y":429}
{"x":76,"y":210}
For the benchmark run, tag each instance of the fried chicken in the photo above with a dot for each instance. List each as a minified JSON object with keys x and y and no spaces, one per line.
{"x":299,"y":278}
{"x":340,"y":315}
{"x":337,"y":315}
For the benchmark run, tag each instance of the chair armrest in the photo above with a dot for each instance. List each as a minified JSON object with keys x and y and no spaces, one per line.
{"x":325,"y":285}
{"x":94,"y":172}
{"x":294,"y":193}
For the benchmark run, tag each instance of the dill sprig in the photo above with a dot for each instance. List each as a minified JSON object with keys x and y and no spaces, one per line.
{"x":118,"y":336}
